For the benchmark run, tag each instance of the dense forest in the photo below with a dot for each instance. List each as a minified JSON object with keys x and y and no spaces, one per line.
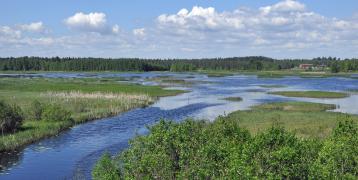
{"x":251,"y":63}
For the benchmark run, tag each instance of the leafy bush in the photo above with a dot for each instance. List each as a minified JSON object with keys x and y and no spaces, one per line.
{"x":54,"y":112}
{"x":274,"y":154}
{"x":10,"y":118}
{"x":105,"y":169}
{"x":339,"y":156}
{"x":221,"y":149}
{"x":36,"y":110}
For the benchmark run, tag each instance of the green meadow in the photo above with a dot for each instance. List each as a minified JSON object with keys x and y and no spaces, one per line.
{"x":79,"y":99}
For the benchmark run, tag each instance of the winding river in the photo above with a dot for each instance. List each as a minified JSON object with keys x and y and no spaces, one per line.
{"x":72,"y":154}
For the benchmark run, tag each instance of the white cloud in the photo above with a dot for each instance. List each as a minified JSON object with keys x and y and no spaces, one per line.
{"x":9,"y":33}
{"x":92,"y":22}
{"x":285,"y":29}
{"x":33,"y":27}
{"x":140,"y":32}
{"x":284,"y":6}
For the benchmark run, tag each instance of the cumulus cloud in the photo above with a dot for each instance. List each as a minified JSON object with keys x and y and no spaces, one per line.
{"x":92,"y":22}
{"x":285,"y":29}
{"x":287,"y":24}
{"x":33,"y":27}
{"x":140,"y":32}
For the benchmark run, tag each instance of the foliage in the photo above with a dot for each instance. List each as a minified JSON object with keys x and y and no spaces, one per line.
{"x":105,"y":169}
{"x":251,"y":63}
{"x":55,"y":112}
{"x":339,"y":156}
{"x":223,"y":149}
{"x":10,"y":118}
{"x":36,"y":110}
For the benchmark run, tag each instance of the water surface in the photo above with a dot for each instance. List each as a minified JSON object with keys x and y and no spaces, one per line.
{"x":71,"y":154}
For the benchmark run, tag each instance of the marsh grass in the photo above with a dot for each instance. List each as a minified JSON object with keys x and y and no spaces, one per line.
{"x":272,"y":86}
{"x":236,"y":99}
{"x":86,"y":99}
{"x":303,"y":118}
{"x":311,"y":94}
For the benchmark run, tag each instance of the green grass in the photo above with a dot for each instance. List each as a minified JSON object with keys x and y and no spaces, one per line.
{"x":303,"y":118}
{"x":82,"y":105}
{"x":300,"y":73}
{"x":272,"y":86}
{"x":83,"y":85}
{"x":311,"y":94}
{"x":217,"y":73}
{"x":237,"y":99}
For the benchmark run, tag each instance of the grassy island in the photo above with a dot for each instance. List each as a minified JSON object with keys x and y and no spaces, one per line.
{"x":311,"y":94}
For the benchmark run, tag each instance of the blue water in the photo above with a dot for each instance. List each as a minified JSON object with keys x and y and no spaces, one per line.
{"x":71,"y":154}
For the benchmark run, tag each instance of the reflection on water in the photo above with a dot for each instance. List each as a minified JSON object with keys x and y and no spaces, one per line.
{"x":73,"y":153}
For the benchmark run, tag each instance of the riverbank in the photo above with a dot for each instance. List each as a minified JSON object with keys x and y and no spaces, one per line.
{"x":294,"y":140}
{"x":85,"y":99}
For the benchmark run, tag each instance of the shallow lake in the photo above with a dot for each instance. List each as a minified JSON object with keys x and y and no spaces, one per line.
{"x":71,"y":154}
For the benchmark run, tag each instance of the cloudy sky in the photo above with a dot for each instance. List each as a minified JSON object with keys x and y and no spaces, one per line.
{"x":179,"y":28}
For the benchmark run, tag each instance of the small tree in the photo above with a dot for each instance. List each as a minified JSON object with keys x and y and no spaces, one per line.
{"x":54,"y":112}
{"x":105,"y":169}
{"x":36,"y":110}
{"x":10,"y":118}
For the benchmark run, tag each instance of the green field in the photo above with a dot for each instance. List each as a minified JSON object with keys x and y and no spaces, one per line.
{"x":311,"y":94}
{"x":85,"y":99}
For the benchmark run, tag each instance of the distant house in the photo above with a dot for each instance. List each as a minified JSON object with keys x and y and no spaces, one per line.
{"x":306,"y":66}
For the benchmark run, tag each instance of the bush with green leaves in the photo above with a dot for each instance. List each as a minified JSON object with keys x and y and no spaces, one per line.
{"x":105,"y":169}
{"x":36,"y":110}
{"x":274,"y":154}
{"x":10,"y":118}
{"x":54,"y":112}
{"x":222,"y":149}
{"x":338,"y":158}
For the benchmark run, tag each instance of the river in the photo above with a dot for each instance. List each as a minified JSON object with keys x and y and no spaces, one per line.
{"x":72,"y":154}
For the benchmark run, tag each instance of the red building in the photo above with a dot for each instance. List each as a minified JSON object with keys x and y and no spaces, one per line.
{"x":306,"y":66}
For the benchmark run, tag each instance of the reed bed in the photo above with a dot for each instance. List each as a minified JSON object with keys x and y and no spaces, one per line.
{"x":95,"y":105}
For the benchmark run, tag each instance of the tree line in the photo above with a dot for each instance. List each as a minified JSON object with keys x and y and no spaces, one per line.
{"x":250,"y":63}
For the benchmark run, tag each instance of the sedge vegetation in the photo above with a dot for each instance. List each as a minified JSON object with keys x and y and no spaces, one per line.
{"x":311,"y":94}
{"x":31,"y":109}
{"x":233,"y":147}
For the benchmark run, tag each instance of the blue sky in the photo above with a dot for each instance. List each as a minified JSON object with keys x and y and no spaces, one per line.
{"x":156,"y":28}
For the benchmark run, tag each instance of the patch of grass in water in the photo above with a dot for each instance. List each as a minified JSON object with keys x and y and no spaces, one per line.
{"x":311,"y":94}
{"x":272,"y":86}
{"x":236,"y":99}
{"x":295,"y":106}
{"x":303,"y":118}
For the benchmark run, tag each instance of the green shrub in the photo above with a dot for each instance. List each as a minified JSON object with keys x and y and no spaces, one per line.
{"x":339,"y":156}
{"x":105,"y":169}
{"x":10,"y":118}
{"x":54,"y":112}
{"x":223,"y":150}
{"x":36,"y":110}
{"x":274,"y":154}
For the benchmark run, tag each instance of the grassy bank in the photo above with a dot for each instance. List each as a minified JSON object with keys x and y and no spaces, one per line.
{"x":311,"y":94}
{"x":84,"y":99}
{"x":292,"y":140}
